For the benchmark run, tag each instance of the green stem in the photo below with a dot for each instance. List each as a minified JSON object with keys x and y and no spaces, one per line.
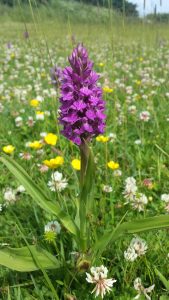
{"x":84,"y":151}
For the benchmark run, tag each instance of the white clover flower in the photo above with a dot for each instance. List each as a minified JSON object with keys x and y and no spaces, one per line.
{"x":117,"y":173}
{"x":130,"y":254}
{"x":112,"y":136}
{"x":137,"y":247}
{"x":98,"y":277}
{"x":139,"y":201}
{"x":57,"y":182}
{"x":30,"y":121}
{"x":40,"y":116}
{"x":137,"y":142}
{"x":132,"y":109}
{"x":141,"y":290}
{"x":9,"y":196}
{"x":144,"y":116}
{"x":43,"y":134}
{"x":53,"y":226}
{"x":165,"y":198}
{"x":20,"y":189}
{"x":130,"y":188}
{"x":107,"y":189}
{"x":18,"y":121}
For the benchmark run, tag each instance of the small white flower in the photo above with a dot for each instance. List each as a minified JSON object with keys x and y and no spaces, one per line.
{"x":139,"y":201}
{"x":132,"y":109}
{"x":9,"y":196}
{"x":137,"y":247}
{"x":30,"y":121}
{"x":117,"y":173}
{"x":144,"y":116}
{"x":20,"y":189}
{"x":1,"y":207}
{"x":18,"y":121}
{"x":53,"y":226}
{"x":141,"y":290}
{"x":40,"y":116}
{"x":57,"y":182}
{"x":43,"y":134}
{"x":112,"y":136}
{"x":137,"y":142}
{"x":130,"y":254}
{"x":107,"y":189}
{"x":165,"y":198}
{"x":98,"y":277}
{"x":130,"y":188}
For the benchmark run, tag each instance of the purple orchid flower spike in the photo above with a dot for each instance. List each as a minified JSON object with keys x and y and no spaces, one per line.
{"x":56,"y":75}
{"x":82,"y":107}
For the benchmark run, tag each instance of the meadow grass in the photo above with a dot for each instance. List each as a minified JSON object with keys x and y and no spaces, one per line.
{"x":132,"y":59}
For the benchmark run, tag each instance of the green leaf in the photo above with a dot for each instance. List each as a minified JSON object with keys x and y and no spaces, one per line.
{"x":131,"y":228}
{"x":21,"y":259}
{"x":162,"y":278}
{"x":38,"y":196}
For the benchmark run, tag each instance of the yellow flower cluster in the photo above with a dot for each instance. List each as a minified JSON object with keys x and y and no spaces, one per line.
{"x":51,"y":139}
{"x":76,"y":164}
{"x":101,"y":64}
{"x":113,"y":165}
{"x":35,"y":145}
{"x":34,"y":103}
{"x":102,"y":139}
{"x":54,"y":162}
{"x":9,"y":149}
{"x":107,"y":90}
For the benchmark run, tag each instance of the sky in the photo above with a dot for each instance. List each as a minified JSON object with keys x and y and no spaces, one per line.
{"x":150,"y":4}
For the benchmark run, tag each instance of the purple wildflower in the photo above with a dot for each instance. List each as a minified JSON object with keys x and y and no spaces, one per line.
{"x":82,"y":108}
{"x":26,"y":34}
{"x":56,"y":75}
{"x":9,"y":45}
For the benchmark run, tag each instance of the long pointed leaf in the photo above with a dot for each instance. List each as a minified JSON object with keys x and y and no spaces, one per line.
{"x":131,"y":228}
{"x":38,"y":196}
{"x":21,"y":259}
{"x":162,"y":278}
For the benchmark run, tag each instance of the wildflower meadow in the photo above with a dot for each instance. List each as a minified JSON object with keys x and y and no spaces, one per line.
{"x":84,"y":154}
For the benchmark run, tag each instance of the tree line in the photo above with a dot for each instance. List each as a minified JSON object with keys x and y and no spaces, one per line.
{"x":122,"y":6}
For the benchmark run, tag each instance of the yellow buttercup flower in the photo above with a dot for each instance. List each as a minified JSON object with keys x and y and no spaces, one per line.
{"x":34,"y":102}
{"x":35,"y":145}
{"x":101,"y":64}
{"x":51,"y":139}
{"x":107,"y":90}
{"x":102,"y":139}
{"x":54,"y":162}
{"x":138,"y":82}
{"x":9,"y":149}
{"x":76,"y":164}
{"x":12,"y":55}
{"x":43,"y":75}
{"x":113,"y":165}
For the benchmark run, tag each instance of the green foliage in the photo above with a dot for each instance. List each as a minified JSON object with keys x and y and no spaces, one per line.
{"x":158,"y":17}
{"x":15,"y":2}
{"x":122,"y":6}
{"x":27,"y":259}
{"x":38,"y":196}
